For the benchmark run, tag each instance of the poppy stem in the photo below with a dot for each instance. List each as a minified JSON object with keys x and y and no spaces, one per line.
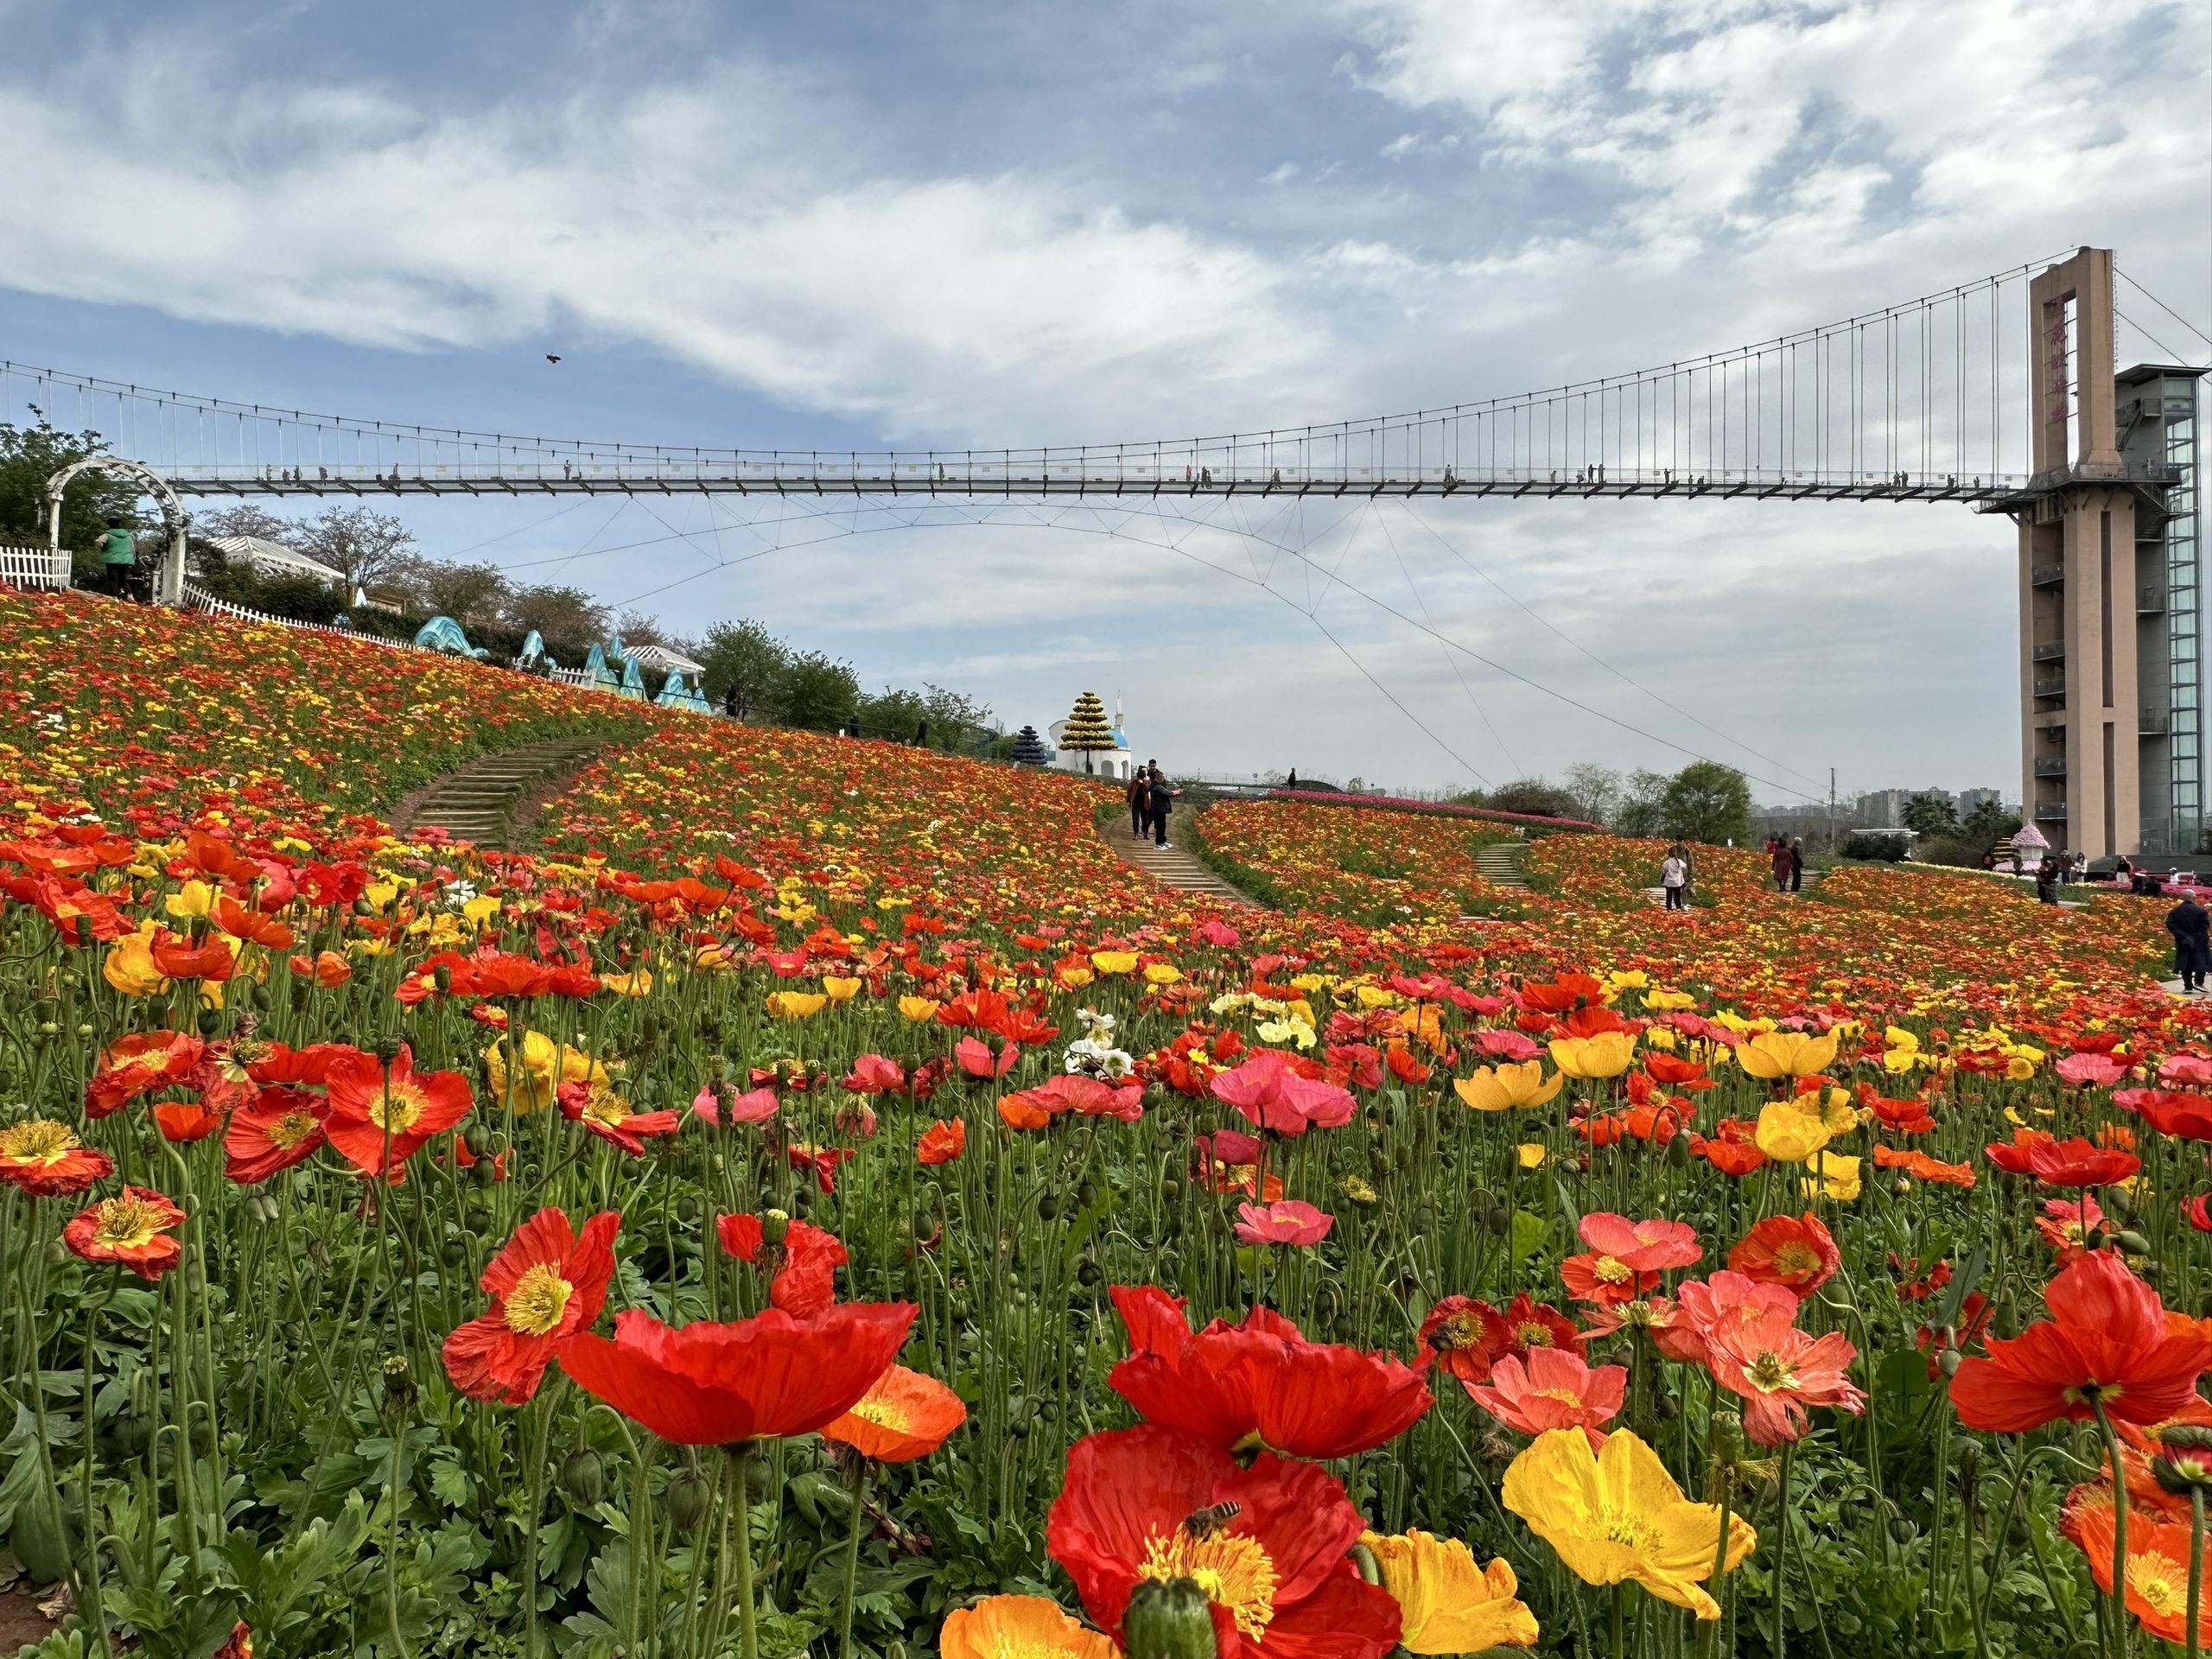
{"x":1619,"y":1652}
{"x":1782,"y":1546}
{"x":748,"y":1614}
{"x":2118,"y":1531}
{"x":1721,"y":1553}
{"x":2195,"y":1563}
{"x":859,"y":1490}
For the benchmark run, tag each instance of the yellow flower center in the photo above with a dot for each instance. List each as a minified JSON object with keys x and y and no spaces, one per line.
{"x":606,"y":1108}
{"x":1631,"y":1533}
{"x":1768,"y":1373}
{"x":1535,"y":1336}
{"x":291,"y":1130}
{"x":886,"y":1414}
{"x":1797,"y":1256}
{"x":1461,"y":1330}
{"x":1612,"y":1270}
{"x":1565,"y":1397}
{"x":1235,"y":1572}
{"x":126,"y":1223}
{"x":395,"y":1107}
{"x":2155,"y":1581}
{"x":41,"y":1140}
{"x":539,"y":1299}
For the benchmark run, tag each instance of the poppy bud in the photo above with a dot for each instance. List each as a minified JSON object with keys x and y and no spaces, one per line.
{"x":386,"y":1049}
{"x":2117,"y":1202}
{"x":687,"y":1497}
{"x":398,"y":1386}
{"x":441,"y":976}
{"x":1949,"y":1362}
{"x":1168,"y":1619}
{"x":1088,"y":1275}
{"x":209,"y":1021}
{"x":2132,"y":1243}
{"x":2095,"y":1241}
{"x":1678,"y":1150}
{"x":1369,"y":1568}
{"x":775,"y":1227}
{"x":1500,"y":1220}
{"x":583,"y":1477}
{"x":1048,"y":1207}
{"x":1087,"y":1194}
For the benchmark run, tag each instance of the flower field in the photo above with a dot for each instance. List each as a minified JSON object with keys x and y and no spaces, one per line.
{"x":1374,"y":865}
{"x":822,"y":1202}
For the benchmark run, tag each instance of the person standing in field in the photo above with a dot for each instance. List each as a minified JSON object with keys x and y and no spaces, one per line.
{"x":2192,"y":930}
{"x":1161,"y":802}
{"x":118,"y":558}
{"x":1675,"y":877}
{"x":1778,"y":856}
{"x":1796,"y":866}
{"x":1140,"y":799}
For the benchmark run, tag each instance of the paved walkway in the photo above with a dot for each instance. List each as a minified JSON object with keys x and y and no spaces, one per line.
{"x":1172,"y":869}
{"x":492,"y":800}
{"x":1503,"y":863}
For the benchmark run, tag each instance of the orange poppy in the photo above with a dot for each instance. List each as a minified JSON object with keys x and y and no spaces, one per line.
{"x":132,"y":1228}
{"x":904,"y":1416}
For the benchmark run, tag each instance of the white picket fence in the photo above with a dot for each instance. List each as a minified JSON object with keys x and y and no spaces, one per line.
{"x":199,"y":599}
{"x":35,"y":567}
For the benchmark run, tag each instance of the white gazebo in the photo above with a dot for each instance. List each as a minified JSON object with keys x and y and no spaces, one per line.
{"x":274,"y":559}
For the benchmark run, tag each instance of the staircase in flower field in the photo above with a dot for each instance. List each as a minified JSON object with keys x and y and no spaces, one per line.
{"x":1503,"y":863}
{"x":1170,"y":866}
{"x":488,"y":801}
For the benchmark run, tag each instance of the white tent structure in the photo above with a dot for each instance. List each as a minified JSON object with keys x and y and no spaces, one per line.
{"x":661,"y":657}
{"x":274,"y":559}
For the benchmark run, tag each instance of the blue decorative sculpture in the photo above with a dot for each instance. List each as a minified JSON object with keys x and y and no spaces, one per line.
{"x":603,"y":678}
{"x":678,"y":692}
{"x":633,"y":681}
{"x":534,"y":654}
{"x":443,"y":633}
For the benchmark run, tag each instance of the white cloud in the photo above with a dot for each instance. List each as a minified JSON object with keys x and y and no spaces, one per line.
{"x":694,"y":220}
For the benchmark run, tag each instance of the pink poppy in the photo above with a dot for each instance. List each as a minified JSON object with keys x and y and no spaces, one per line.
{"x":2091,"y":1070}
{"x":1643,"y":1245}
{"x":1507,"y":1045}
{"x":1270,"y":1093}
{"x":1552,"y":1388}
{"x":977,"y":1061}
{"x":1287,"y":1221}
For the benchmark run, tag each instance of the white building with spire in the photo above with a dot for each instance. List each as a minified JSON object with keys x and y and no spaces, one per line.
{"x":1114,"y":763}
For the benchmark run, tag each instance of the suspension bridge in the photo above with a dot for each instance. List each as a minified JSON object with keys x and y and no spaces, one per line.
{"x":1916,"y":402}
{"x":2000,"y":394}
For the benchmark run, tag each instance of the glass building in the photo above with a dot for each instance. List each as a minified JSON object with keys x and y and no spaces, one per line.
{"x":2156,"y":418}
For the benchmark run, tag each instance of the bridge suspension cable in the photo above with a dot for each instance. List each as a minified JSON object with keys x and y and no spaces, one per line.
{"x":1920,"y":401}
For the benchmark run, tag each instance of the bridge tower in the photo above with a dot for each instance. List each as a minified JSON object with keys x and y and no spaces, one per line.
{"x":2080,"y":722}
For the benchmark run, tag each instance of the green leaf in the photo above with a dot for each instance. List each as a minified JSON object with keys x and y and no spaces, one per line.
{"x":450,"y":1484}
{"x":1530,"y":1233}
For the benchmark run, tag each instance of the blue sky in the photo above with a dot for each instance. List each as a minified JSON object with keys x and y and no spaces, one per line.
{"x":844,"y":225}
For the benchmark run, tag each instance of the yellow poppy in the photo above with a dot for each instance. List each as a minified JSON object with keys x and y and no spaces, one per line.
{"x":1375,"y":996}
{"x":480,"y":910}
{"x":1446,"y":1603}
{"x":1786,"y":1055}
{"x":1287,"y":1031}
{"x":1073,"y":978}
{"x":1533,"y":1153}
{"x":1789,"y":1134}
{"x":1162,"y":973}
{"x":840,"y":990}
{"x":1606,"y":1055}
{"x":918,"y":1008}
{"x":128,"y":966}
{"x":1616,"y":1515}
{"x":546,"y":1065}
{"x":1018,"y":1627}
{"x":1669,"y":1001}
{"x":193,"y":899}
{"x":1501,"y":1088}
{"x":796,"y":1005}
{"x":1114,"y":962}
{"x":1835,"y":1176}
{"x":635,"y":984}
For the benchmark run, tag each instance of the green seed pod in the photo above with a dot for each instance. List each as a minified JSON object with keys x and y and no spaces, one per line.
{"x":1168,"y":1619}
{"x":775,"y":1226}
{"x":1171,"y":1189}
{"x":1678,"y":1154}
{"x":687,"y":1211}
{"x":688,"y":1496}
{"x":1087,"y":1195}
{"x":477,"y":1139}
{"x":2116,"y":1203}
{"x":454,"y":1252}
{"x":2132,"y":1243}
{"x":1090,"y":1272}
{"x":209,"y":1020}
{"x":2095,"y":1241}
{"x":583,"y":1477}
{"x":1948,"y":1363}
{"x":1048,"y":1206}
{"x":1500,"y":1221}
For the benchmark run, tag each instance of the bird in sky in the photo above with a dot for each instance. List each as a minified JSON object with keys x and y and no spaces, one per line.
{"x":551,"y":357}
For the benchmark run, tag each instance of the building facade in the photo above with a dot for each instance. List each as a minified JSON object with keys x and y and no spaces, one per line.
{"x":2156,"y":421}
{"x":2098,"y":664}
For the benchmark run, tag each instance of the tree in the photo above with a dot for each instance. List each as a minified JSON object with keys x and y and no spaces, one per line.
{"x":818,"y":693}
{"x":955,"y":721}
{"x":365,"y":544}
{"x":1988,"y":824}
{"x":895,"y":716}
{"x":1532,"y":796}
{"x":1929,"y":814}
{"x":567,"y":618}
{"x":247,"y":518}
{"x":30,"y":455}
{"x":641,"y":628}
{"x":1707,"y":802}
{"x":475,"y":596}
{"x":1029,"y":748}
{"x":1642,"y":808}
{"x":1596,"y":791}
{"x":745,"y":667}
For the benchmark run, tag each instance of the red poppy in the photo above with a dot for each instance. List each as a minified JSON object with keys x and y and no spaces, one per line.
{"x":1605,"y":1280}
{"x":503,"y":973}
{"x":2012,"y":1155}
{"x":546,"y":1283}
{"x":904,"y":1416}
{"x":1455,"y":1335}
{"x":185,"y":1120}
{"x":378,"y":1116}
{"x":250,"y":925}
{"x":79,"y":914}
{"x":822,"y":1161}
{"x":1260,"y":1382}
{"x":46,"y":1160}
{"x":2199,"y":1212}
{"x":134,"y":1065}
{"x":943,"y":1141}
{"x":1270,"y":1544}
{"x":1798,"y":1253}
{"x":277,"y":1063}
{"x":874,"y":1074}
{"x":802,"y":1268}
{"x":607,"y":1115}
{"x":178,"y":959}
{"x":2186,"y":1117}
{"x":1676,"y":1072}
{"x":1731,"y":1149}
{"x":2107,"y":1342}
{"x":239,"y":1644}
{"x":977,"y":1060}
{"x":711,"y":1384}
{"x":2077,"y":1162}
{"x":131,"y":1228}
{"x":281,"y":1128}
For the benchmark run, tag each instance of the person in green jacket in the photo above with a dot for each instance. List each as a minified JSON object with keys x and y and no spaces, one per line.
{"x":119,"y":558}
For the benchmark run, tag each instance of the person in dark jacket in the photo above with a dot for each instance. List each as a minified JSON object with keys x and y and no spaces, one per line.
{"x":2191,"y":927}
{"x":1140,"y":799}
{"x":1796,"y":865}
{"x":2047,"y":879}
{"x":1160,"y":800}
